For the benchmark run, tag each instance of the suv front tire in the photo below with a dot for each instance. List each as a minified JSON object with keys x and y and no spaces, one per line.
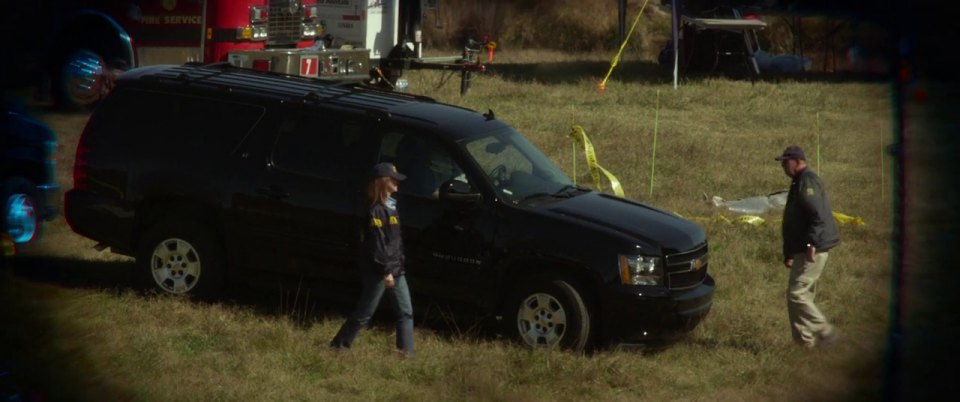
{"x":550,"y":314}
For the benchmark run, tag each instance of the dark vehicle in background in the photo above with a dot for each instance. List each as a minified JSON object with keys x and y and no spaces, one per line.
{"x":232,"y":174}
{"x":29,"y":192}
{"x":66,"y":49}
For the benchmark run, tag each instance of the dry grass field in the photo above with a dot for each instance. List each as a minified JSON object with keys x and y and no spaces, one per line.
{"x":76,"y":329}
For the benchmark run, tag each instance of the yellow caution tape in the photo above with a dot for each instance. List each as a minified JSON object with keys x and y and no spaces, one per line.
{"x":747,"y":219}
{"x":757,"y":221}
{"x":844,"y":219}
{"x":751,"y":220}
{"x":580,"y":136}
{"x":616,"y":59}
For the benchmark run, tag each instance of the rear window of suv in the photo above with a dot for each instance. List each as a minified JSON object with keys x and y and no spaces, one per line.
{"x":153,"y":122}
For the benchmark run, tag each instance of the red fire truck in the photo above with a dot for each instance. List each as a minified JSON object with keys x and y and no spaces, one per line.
{"x":90,"y":41}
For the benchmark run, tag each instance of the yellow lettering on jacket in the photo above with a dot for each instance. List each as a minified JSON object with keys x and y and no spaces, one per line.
{"x":377,"y":223}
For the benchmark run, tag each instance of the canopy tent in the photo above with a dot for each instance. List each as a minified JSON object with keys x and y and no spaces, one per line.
{"x":692,"y":13}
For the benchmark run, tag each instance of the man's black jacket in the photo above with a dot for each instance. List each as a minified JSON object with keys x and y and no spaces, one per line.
{"x":807,"y":217}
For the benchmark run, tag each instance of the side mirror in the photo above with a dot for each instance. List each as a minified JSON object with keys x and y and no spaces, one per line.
{"x":458,"y":191}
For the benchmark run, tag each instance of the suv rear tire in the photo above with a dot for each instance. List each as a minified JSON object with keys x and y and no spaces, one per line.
{"x":549,"y":314}
{"x":181,"y":257}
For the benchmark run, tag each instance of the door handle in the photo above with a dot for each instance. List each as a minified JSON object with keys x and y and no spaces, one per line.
{"x":273,"y":191}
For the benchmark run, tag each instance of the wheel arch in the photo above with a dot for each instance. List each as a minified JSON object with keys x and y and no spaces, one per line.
{"x":33,"y":171}
{"x":523,"y":269}
{"x":153,"y":210}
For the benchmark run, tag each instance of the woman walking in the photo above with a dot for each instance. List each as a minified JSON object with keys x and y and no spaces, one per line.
{"x":381,"y":263}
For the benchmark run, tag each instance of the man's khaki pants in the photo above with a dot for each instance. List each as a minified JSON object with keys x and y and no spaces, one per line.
{"x":807,"y":323}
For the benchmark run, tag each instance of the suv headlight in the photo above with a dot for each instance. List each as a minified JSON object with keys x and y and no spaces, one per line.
{"x":640,"y":270}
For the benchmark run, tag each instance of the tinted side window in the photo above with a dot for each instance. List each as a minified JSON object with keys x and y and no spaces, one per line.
{"x":426,"y":163}
{"x":321,"y":146}
{"x":157,"y":123}
{"x":109,"y":125}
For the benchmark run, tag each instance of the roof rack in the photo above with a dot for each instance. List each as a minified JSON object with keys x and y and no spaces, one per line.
{"x":229,"y":78}
{"x":382,"y":90}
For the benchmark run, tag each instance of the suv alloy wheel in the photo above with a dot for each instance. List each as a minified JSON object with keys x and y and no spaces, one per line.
{"x":180,"y":257}
{"x":550,"y":314}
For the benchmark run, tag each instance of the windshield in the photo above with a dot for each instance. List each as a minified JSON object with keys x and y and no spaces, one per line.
{"x":516,"y":168}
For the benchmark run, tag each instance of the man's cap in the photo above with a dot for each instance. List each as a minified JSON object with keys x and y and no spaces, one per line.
{"x":792,"y":152}
{"x":386,"y":169}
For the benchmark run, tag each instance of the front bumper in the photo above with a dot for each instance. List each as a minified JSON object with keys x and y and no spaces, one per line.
{"x":631,"y":315}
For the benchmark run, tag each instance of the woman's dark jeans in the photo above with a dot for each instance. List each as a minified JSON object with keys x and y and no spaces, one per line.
{"x":373,"y":290}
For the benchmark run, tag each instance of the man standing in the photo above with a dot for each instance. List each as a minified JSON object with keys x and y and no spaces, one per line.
{"x":809,"y":231}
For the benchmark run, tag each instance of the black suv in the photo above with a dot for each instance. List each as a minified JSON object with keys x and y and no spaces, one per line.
{"x":28,"y":186}
{"x":210,"y":173}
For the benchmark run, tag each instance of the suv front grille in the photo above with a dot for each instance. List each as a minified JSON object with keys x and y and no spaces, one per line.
{"x":687,"y":269}
{"x":284,"y":22}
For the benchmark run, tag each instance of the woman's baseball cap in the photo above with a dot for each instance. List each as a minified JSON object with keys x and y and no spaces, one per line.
{"x":386,"y":169}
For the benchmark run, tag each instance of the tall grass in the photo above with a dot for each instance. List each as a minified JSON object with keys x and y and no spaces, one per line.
{"x":560,"y":25}
{"x":82,"y":337}
{"x":832,"y":42}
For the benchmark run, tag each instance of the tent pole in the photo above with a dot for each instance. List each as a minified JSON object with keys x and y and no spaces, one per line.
{"x":674,"y":33}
